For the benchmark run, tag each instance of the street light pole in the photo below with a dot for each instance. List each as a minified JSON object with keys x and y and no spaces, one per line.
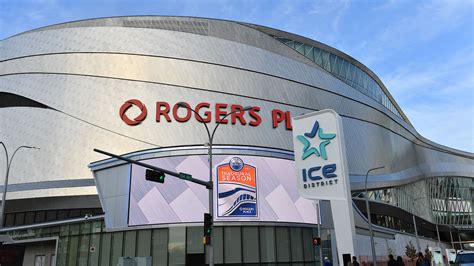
{"x":414,"y":224}
{"x":437,"y":233}
{"x":416,"y":230}
{"x":209,"y":154}
{"x":5,"y":186}
{"x":372,"y":243}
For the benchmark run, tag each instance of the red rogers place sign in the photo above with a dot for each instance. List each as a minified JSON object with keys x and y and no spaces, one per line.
{"x":165,"y":112}
{"x":137,"y":120}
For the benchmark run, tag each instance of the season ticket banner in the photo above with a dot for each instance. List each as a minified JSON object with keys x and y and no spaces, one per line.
{"x":237,"y":189}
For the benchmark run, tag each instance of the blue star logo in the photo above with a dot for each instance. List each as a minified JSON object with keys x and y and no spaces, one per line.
{"x":325,"y":140}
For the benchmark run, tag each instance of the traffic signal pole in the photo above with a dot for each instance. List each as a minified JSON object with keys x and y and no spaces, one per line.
{"x":210,"y":136}
{"x":184,"y":176}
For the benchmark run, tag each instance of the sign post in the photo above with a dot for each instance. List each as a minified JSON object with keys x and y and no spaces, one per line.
{"x":322,"y":172}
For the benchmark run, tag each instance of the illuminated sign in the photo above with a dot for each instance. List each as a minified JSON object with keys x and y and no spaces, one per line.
{"x":166,"y":113}
{"x":236,"y":189}
{"x":263,"y":189}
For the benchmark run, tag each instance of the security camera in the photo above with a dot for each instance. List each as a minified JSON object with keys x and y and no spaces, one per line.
{"x":87,"y":216}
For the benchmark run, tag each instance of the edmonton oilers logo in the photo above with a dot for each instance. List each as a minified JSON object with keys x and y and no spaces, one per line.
{"x":236,"y":164}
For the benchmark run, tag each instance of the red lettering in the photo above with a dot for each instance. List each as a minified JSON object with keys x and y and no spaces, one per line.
{"x":277,"y":117}
{"x":288,"y":120}
{"x":220,"y":113}
{"x":206,"y":118}
{"x":162,"y":111}
{"x":257,"y":119}
{"x":177,"y":117}
{"x":239,"y":114}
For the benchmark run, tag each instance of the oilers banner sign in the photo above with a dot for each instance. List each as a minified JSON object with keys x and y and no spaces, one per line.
{"x":237,"y":189}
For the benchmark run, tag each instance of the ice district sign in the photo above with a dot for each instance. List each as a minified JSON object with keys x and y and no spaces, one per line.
{"x":322,"y":172}
{"x":320,"y":156}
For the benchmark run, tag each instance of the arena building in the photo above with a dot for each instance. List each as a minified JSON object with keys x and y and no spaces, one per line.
{"x":115,"y":83}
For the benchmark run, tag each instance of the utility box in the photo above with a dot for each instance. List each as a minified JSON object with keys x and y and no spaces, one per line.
{"x":134,"y":261}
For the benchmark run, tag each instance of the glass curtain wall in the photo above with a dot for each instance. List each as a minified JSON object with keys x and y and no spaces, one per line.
{"x":345,"y":71}
{"x":87,"y":243}
{"x":440,"y":200}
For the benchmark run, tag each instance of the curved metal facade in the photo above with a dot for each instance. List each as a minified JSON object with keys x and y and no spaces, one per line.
{"x":84,"y":71}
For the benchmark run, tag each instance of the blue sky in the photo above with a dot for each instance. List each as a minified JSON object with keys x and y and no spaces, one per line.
{"x":422,"y":50}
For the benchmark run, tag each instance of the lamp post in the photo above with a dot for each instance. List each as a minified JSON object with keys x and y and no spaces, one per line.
{"x":210,"y":136}
{"x":414,"y":224}
{"x":5,"y":186}
{"x":372,"y":244}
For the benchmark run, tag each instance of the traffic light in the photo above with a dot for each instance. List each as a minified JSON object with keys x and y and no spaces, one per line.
{"x":155,"y":176}
{"x":316,"y":241}
{"x":207,"y":229}
{"x":207,"y":224}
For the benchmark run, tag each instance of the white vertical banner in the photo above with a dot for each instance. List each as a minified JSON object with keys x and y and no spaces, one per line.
{"x":322,"y":172}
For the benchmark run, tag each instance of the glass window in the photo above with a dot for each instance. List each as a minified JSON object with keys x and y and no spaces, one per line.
{"x":105,"y":248}
{"x":130,"y":240}
{"x":308,"y":52}
{"x":159,"y":245}
{"x":62,"y":250}
{"x":144,"y":243}
{"x":40,"y":260}
{"x":218,"y":245}
{"x":350,"y":74}
{"x":96,"y":227}
{"x":10,"y":219}
{"x":94,"y":249}
{"x":117,"y":244}
{"x":64,"y":230}
{"x":74,"y":229}
{"x":358,"y":77}
{"x":20,"y":218}
{"x":308,"y":244}
{"x":97,"y":211}
{"x":85,"y":228}
{"x":52,"y":262}
{"x":326,"y":63}
{"x":62,"y":214}
{"x":233,"y":245}
{"x":72,"y":252}
{"x":40,"y":216}
{"x":267,"y":244}
{"x":74,"y":213}
{"x":85,"y":212}
{"x":332,"y":60}
{"x":194,"y":240}
{"x":344,"y":69}
{"x":291,"y":44}
{"x":296,"y":244}
{"x":299,"y":47}
{"x":282,"y":244}
{"x":318,"y":58}
{"x":338,"y":66}
{"x":176,"y":245}
{"x":250,"y":247}
{"x":83,"y":250}
{"x":51,"y":215}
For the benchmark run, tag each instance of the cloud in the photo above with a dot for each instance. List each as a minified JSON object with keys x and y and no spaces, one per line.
{"x":446,"y":124}
{"x":408,"y":23}
{"x":437,"y":78}
{"x":438,"y":97}
{"x":329,"y":13}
